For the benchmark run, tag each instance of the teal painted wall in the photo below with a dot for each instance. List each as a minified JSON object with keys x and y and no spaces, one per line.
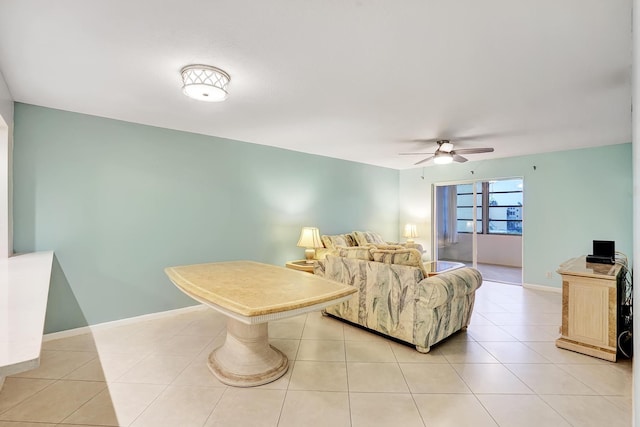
{"x":570,"y":198}
{"x":118,"y":202}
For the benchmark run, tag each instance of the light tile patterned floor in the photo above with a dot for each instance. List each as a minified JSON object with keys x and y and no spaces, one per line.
{"x":504,"y":371}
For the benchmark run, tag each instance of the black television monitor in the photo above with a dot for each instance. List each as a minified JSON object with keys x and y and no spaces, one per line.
{"x":604,"y":248}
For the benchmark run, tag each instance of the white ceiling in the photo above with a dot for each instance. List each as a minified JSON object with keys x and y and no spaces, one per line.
{"x":355,"y":80}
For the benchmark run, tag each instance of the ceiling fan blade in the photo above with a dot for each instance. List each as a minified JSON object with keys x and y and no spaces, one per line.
{"x":479,"y":136}
{"x":459,"y":159}
{"x":413,"y":154}
{"x":424,"y":160}
{"x":455,"y":139}
{"x":426,"y":140}
{"x":473,"y":150}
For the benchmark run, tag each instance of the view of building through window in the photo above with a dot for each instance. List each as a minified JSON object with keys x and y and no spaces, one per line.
{"x":500,"y":202}
{"x":465,"y":207}
{"x":505,"y":206}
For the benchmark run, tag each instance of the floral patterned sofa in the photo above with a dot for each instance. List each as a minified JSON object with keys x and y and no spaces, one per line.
{"x":396,"y":299}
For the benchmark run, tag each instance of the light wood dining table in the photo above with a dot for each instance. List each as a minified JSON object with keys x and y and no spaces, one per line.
{"x":251,"y":294}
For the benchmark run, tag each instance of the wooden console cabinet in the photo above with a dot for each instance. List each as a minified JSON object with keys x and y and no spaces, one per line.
{"x":590,"y":308}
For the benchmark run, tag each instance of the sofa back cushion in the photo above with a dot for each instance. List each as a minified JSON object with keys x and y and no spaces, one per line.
{"x":410,"y":257}
{"x":364,"y":238}
{"x":333,"y":241}
{"x":387,"y":247}
{"x":355,"y":252}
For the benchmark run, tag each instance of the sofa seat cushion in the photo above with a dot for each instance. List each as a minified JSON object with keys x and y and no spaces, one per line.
{"x":410,"y":257}
{"x":364,"y":238}
{"x":333,"y":241}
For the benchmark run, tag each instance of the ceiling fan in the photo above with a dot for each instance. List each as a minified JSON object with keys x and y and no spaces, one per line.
{"x":445,"y":153}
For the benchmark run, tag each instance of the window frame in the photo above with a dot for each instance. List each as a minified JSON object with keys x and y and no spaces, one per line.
{"x":521,"y":207}
{"x":486,"y":220}
{"x":474,"y":196}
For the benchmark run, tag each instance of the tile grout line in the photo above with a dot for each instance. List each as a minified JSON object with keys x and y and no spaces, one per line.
{"x":291,"y":366}
{"x":552,"y":363}
{"x":206,"y":420}
{"x":346,"y":367}
{"x":623,"y":371}
{"x":53,"y":381}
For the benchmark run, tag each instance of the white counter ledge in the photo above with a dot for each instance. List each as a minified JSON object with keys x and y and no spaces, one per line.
{"x":24,"y":289}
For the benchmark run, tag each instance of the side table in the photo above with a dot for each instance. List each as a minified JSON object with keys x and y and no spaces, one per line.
{"x":436,"y":267}
{"x":301,"y":265}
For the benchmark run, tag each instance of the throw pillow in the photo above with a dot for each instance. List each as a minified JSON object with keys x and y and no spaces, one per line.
{"x":332,"y":242}
{"x":367,"y":237}
{"x":410,"y":257}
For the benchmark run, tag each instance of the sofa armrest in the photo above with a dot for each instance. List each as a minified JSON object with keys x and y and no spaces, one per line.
{"x":319,"y":267}
{"x":441,"y":289}
{"x":417,"y":246}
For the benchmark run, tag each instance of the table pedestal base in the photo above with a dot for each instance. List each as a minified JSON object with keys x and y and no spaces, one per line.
{"x":246,"y":359}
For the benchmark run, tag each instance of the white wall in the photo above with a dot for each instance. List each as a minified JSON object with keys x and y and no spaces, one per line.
{"x":6,"y":152}
{"x":415,"y":208}
{"x":6,"y":103}
{"x":492,"y":249}
{"x":500,"y":250}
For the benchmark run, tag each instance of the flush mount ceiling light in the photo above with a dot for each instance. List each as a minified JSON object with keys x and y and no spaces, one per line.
{"x":205,"y":83}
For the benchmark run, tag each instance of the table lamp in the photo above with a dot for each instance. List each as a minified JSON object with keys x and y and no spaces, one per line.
{"x":310,"y":239}
{"x":410,"y":232}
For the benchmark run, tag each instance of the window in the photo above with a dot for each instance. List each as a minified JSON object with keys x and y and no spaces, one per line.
{"x":501,"y":202}
{"x":464,"y":207}
{"x":505,"y":206}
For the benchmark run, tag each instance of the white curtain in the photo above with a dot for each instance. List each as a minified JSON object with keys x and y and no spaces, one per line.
{"x":451,"y":215}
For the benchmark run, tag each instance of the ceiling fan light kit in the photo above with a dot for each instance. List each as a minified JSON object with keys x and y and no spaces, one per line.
{"x":205,"y":83}
{"x":441,"y":158}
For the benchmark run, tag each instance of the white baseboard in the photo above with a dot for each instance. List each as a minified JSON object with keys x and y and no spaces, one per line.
{"x":121,"y":322}
{"x":542,"y":288}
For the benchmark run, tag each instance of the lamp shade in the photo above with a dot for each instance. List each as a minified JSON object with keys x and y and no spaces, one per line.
{"x":410,"y":231}
{"x":310,"y":238}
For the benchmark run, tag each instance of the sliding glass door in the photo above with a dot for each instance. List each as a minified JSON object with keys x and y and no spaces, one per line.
{"x":479,"y":223}
{"x":458,"y":215}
